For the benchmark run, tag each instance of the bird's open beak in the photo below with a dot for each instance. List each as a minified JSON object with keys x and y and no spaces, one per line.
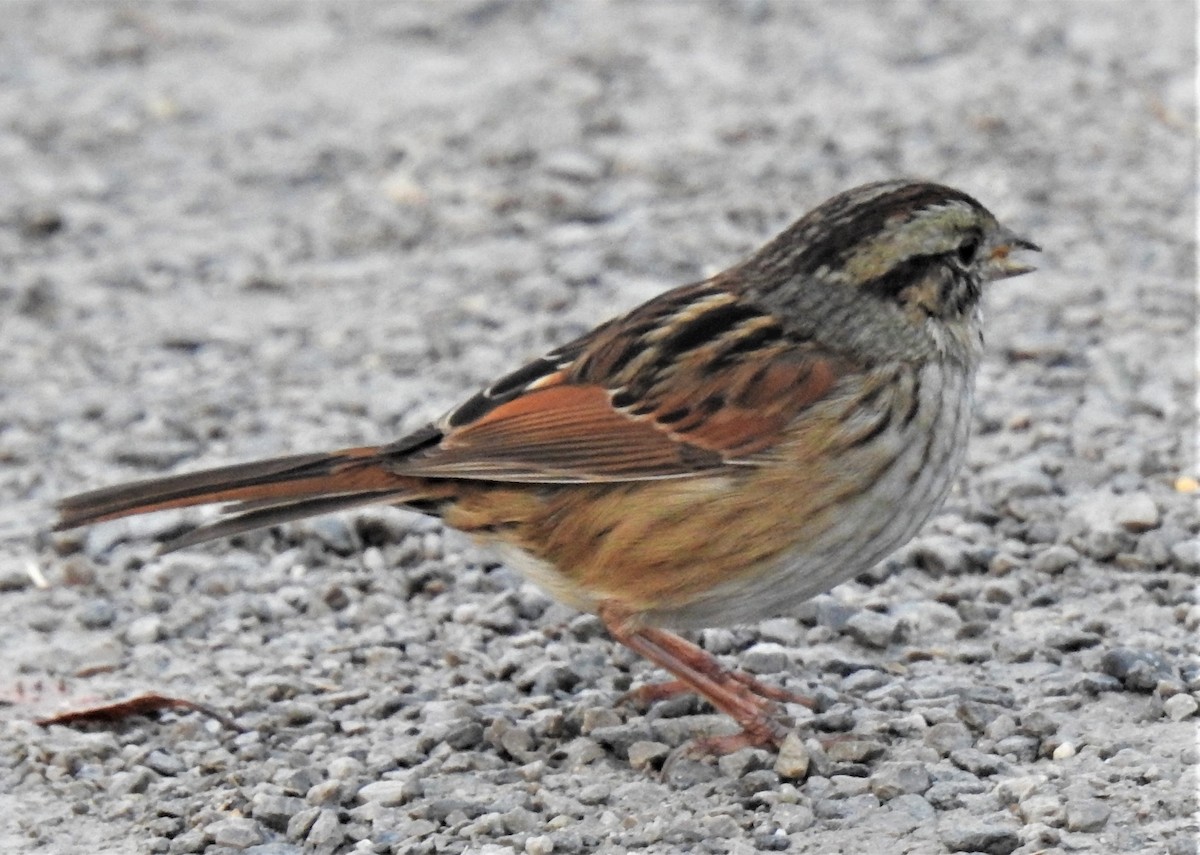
{"x":1001,"y":262}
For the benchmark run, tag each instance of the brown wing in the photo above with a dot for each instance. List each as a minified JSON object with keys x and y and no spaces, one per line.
{"x":692,"y":382}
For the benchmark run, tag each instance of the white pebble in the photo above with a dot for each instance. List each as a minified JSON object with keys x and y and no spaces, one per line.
{"x":1181,"y":706}
{"x":1064,"y":751}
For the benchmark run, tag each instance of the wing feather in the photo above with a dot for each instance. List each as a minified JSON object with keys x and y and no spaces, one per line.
{"x":694,"y":382}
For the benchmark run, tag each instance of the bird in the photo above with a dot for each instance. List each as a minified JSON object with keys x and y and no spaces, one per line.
{"x":713,"y":457}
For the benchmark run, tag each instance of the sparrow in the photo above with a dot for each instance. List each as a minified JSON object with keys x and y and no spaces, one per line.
{"x":715,"y":456}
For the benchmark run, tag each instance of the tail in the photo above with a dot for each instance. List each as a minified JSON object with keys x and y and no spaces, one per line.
{"x":258,"y":494}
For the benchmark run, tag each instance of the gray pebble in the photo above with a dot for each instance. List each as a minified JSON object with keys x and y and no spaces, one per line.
{"x":827,"y":611}
{"x":1181,"y":706}
{"x":764,"y":658}
{"x":325,"y":793}
{"x":1186,"y":556}
{"x":914,"y":807}
{"x":1139,"y":670}
{"x":967,"y":834}
{"x":1039,"y":723}
{"x":793,"y":759}
{"x":939,"y":555}
{"x":14,"y":579}
{"x":389,"y":793}
{"x":191,"y":841}
{"x":326,"y":833}
{"x":854,"y":750}
{"x":144,"y":630}
{"x":235,"y":832}
{"x":464,"y":735}
{"x":275,"y":811}
{"x":620,"y":737}
{"x":96,"y":614}
{"x":760,"y":780}
{"x":1136,"y":512}
{"x":164,"y":763}
{"x":947,"y":736}
{"x":1093,"y":683}
{"x":1044,"y":808}
{"x":1055,"y":559}
{"x":1087,"y":814}
{"x":786,"y":631}
{"x":978,"y":716}
{"x":682,"y":772}
{"x":334,"y":532}
{"x":135,"y":780}
{"x":738,"y":763}
{"x":872,"y":629}
{"x":646,"y":754}
{"x":896,"y":778}
{"x":865,"y":680}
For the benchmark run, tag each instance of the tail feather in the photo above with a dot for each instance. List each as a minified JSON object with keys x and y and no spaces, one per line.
{"x":275,"y":514}
{"x":265,"y":492}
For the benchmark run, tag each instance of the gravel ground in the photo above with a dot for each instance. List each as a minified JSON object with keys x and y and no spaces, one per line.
{"x":228,"y":231}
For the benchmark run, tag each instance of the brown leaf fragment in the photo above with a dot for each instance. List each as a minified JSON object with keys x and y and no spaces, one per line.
{"x":143,"y":704}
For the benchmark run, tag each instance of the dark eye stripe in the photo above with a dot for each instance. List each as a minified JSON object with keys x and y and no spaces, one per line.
{"x":904,"y":274}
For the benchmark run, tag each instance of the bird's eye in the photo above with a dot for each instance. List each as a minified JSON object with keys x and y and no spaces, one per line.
{"x":966,"y":252}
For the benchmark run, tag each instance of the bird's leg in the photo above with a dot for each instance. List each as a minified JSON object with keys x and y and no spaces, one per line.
{"x":749,"y":702}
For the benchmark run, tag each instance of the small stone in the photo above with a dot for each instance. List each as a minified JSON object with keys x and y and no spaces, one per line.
{"x":1140,"y":670}
{"x":541,"y":844}
{"x":464,"y":735}
{"x":622,"y":736}
{"x":827,"y":611}
{"x":334,"y":533}
{"x":1055,"y":559}
{"x":1039,"y":723}
{"x":1086,"y":814}
{"x":872,"y":629}
{"x":738,"y":763}
{"x":966,"y":834}
{"x":646,"y":754}
{"x":164,"y":763}
{"x":324,"y":793}
{"x":683,"y":772}
{"x":913,"y":806}
{"x":96,"y":614}
{"x":1186,"y":556}
{"x":1064,"y":751}
{"x":1181,"y":706}
{"x":977,"y":762}
{"x":135,"y":780}
{"x":144,"y":630}
{"x":854,"y":750}
{"x":765,"y":658}
{"x":864,"y":681}
{"x":896,"y":778}
{"x":785,"y":631}
{"x":760,"y":780}
{"x":275,"y":811}
{"x":947,"y":736}
{"x":939,"y":555}
{"x":301,"y":822}
{"x":235,"y":832}
{"x":15,"y":579}
{"x":597,"y":717}
{"x":1014,"y":790}
{"x":1042,"y":808}
{"x":909,"y":724}
{"x":1137,"y":512}
{"x":326,"y":833}
{"x":793,"y":759}
{"x":386,"y":793}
